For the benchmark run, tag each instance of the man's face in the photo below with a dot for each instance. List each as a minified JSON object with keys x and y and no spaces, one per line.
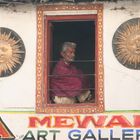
{"x":68,"y":54}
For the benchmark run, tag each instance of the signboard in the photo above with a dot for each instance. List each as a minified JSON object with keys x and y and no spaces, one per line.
{"x":70,"y":127}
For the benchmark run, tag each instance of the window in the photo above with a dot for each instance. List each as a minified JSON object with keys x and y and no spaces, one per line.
{"x":83,"y":27}
{"x":82,"y":32}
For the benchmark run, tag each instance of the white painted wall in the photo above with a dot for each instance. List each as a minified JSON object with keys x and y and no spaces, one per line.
{"x":122,"y":85}
{"x":18,"y":90}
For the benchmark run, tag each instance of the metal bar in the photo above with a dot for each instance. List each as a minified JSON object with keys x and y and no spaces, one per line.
{"x":50,"y":75}
{"x":70,"y":89}
{"x":74,"y":61}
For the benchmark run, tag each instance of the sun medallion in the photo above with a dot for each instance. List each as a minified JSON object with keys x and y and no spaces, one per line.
{"x":126,"y":44}
{"x":12,"y":52}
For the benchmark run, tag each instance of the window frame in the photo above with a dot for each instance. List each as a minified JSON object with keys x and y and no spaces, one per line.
{"x":83,"y":12}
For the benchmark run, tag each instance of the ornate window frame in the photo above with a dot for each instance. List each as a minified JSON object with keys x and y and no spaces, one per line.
{"x":64,"y":9}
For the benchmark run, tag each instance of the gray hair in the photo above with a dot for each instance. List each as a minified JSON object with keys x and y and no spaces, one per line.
{"x":67,"y":45}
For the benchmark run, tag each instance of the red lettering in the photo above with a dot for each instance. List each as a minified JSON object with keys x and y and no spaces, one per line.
{"x":5,"y":132}
{"x":119,"y":121}
{"x":85,"y":122}
{"x":136,"y":120}
{"x":62,"y":122}
{"x":35,"y":121}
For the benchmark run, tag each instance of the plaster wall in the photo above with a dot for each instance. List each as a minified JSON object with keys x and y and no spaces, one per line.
{"x":18,"y":90}
{"x":121,"y":85}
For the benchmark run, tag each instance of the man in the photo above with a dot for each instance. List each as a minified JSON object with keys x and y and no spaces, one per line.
{"x":68,"y":84}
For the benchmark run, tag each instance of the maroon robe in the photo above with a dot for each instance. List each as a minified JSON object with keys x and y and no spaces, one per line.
{"x":67,"y":80}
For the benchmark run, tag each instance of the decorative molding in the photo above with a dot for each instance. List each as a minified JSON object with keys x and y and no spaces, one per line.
{"x":86,"y":108}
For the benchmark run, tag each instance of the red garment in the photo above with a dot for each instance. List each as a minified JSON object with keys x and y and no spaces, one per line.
{"x":67,"y":80}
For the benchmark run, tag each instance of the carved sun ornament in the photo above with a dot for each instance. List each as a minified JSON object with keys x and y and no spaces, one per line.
{"x":126,"y":44}
{"x":12,"y":52}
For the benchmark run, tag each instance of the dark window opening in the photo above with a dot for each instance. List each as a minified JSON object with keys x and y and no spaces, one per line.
{"x":83,"y":34}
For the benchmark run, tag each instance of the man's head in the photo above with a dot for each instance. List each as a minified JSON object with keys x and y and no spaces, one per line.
{"x":68,"y":51}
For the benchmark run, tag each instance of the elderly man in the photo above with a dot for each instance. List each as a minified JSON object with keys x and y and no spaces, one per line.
{"x":68,"y":84}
